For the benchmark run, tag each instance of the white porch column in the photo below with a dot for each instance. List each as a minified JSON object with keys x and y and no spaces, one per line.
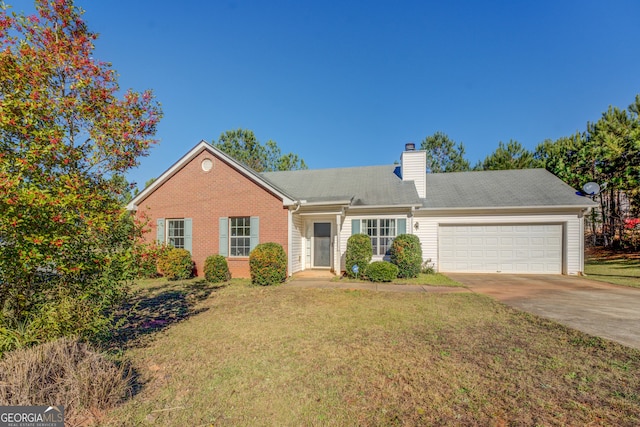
{"x":289,"y":242}
{"x":337,"y":262}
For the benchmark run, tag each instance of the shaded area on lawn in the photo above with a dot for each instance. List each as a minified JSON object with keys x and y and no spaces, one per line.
{"x":154,"y":308}
{"x":617,"y":268}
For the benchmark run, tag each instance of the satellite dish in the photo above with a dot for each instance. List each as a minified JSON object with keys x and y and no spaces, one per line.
{"x":591,"y":188}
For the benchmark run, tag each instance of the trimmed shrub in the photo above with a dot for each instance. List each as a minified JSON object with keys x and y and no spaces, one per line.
{"x":406,"y":253}
{"x":359,"y":252}
{"x":216,"y":269}
{"x":381,"y":271}
{"x":268,"y":264}
{"x":176,"y":264}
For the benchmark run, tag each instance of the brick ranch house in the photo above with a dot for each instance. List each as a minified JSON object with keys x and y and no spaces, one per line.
{"x":512,"y":221}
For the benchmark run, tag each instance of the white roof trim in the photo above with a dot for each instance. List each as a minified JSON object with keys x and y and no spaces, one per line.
{"x":327,"y":203}
{"x":384,"y":206}
{"x":201,"y":146}
{"x":512,"y":208}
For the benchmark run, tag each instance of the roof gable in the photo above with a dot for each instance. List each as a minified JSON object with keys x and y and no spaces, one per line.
{"x":246,"y":171}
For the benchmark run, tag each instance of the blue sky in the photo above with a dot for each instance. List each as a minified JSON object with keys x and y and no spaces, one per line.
{"x":348,"y":83}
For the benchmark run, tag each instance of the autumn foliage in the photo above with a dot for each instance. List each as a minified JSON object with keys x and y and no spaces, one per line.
{"x":67,"y":137}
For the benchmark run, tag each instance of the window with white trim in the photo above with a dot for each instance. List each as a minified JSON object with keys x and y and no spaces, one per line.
{"x":381,"y":232}
{"x":239,"y":236}
{"x":175,"y":233}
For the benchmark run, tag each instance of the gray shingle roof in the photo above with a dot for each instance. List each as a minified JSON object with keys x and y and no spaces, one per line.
{"x":365,"y":186}
{"x":381,"y":186}
{"x":505,"y":188}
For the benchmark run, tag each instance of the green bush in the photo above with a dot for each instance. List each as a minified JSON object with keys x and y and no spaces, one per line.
{"x":381,"y":271}
{"x":406,"y":253}
{"x":216,"y":269}
{"x":268,"y":264}
{"x":359,"y":252}
{"x":176,"y":264}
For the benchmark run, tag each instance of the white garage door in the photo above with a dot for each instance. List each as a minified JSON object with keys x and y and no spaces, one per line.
{"x":526,"y":248}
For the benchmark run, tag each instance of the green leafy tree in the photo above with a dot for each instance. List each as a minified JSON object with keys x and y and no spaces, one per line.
{"x":508,"y":156}
{"x":242,"y":145}
{"x":607,"y":153}
{"x":563,"y":158}
{"x":66,"y":140}
{"x":443,"y":154}
{"x":615,"y":160}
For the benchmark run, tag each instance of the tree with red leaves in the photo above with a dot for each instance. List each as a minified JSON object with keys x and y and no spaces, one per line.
{"x":67,"y":137}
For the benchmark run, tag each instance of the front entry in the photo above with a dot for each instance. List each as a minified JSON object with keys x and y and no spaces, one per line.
{"x":322,"y":244}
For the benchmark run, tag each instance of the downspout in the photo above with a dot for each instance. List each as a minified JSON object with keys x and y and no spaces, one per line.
{"x":413,"y":209}
{"x":582,"y":215}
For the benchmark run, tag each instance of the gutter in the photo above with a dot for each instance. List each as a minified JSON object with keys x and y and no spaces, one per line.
{"x":412,"y":206}
{"x":335,"y":202}
{"x":470,"y":208}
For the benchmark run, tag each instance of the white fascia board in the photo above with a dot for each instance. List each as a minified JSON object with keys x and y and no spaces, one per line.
{"x":331,"y":203}
{"x":384,"y":206}
{"x":508,"y":208}
{"x":168,"y":173}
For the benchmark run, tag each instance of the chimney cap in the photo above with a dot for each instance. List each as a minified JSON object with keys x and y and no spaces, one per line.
{"x":409,"y":146}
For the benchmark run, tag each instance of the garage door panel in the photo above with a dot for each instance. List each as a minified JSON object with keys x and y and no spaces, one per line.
{"x":491,"y":241}
{"x":491,"y":254}
{"x":522,"y":248}
{"x":537,"y":268}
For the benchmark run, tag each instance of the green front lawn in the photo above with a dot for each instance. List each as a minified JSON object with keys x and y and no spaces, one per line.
{"x":435,"y":279}
{"x":617,"y":270}
{"x":238,"y":355}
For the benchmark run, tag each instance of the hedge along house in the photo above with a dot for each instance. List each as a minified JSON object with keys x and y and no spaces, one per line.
{"x":516,"y":221}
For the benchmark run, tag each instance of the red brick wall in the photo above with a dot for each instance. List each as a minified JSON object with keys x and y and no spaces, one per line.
{"x":207,"y":196}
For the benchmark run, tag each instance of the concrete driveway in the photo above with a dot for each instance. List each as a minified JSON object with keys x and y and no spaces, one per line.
{"x":600,"y":309}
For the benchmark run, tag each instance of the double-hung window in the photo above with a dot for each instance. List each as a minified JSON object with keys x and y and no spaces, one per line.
{"x":238,"y":235}
{"x":175,"y":233}
{"x":382,"y":232}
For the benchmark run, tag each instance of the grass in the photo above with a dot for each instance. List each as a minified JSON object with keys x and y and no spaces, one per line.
{"x":619,"y":269}
{"x":263,"y":356}
{"x":435,"y":279}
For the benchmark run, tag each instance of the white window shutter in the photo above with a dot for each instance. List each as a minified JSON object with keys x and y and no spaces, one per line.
{"x":355,"y":226}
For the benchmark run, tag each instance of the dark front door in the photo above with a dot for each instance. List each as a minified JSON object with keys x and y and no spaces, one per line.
{"x":322,"y":244}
